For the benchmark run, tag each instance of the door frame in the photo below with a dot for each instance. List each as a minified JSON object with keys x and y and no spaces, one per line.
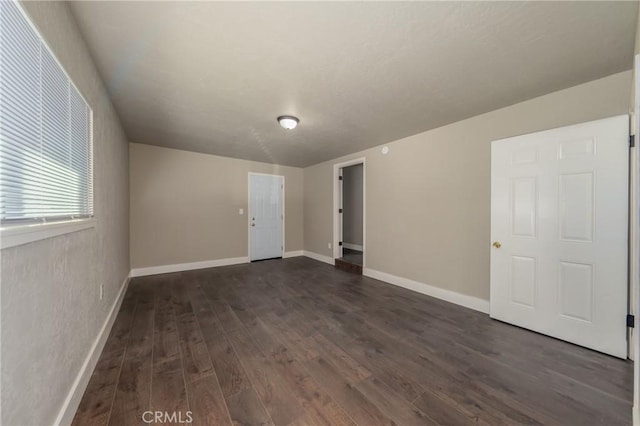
{"x":282,"y":200}
{"x":634,"y":246}
{"x":336,"y":205}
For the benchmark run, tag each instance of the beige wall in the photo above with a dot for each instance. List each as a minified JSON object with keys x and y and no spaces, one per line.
{"x":184,"y":206}
{"x":428,"y":200}
{"x":51,"y":309}
{"x":352,"y":205}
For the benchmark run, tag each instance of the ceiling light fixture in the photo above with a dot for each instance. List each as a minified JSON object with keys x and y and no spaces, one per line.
{"x":288,"y":122}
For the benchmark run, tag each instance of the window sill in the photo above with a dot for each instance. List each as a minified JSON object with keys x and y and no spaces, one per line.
{"x":11,"y":236}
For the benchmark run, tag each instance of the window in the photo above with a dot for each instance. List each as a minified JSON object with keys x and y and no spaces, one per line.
{"x":46,"y":153}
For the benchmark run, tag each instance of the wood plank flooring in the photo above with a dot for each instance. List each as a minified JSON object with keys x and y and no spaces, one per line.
{"x":352,"y":256}
{"x":298,"y":342}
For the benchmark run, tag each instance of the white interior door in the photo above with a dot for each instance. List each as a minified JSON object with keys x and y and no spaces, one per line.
{"x":266,"y":216}
{"x":340,"y":213}
{"x":559,"y":210}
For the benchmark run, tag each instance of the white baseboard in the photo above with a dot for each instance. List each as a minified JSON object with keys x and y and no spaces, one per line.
{"x":72,"y":401}
{"x":178,"y":267}
{"x":352,"y":246}
{"x":296,"y":253}
{"x":470,"y":302}
{"x":319,"y":257}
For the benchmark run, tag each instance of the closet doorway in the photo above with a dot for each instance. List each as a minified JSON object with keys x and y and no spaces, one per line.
{"x":349,"y":217}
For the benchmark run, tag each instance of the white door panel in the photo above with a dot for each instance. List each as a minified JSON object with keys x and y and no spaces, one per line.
{"x":265,"y":216}
{"x":559,"y":208}
{"x":341,"y":215}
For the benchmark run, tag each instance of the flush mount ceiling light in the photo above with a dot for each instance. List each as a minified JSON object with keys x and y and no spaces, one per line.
{"x":288,"y":122}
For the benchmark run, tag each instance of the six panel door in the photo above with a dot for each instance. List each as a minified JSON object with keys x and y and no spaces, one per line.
{"x":559,"y":220}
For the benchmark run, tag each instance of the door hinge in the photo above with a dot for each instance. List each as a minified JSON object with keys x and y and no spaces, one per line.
{"x":340,"y":243}
{"x":339,"y":210}
{"x":631,"y":320}
{"x":339,"y":177}
{"x":632,"y":141}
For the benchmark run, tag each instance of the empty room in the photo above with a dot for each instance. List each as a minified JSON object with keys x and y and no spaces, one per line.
{"x":319,"y":213}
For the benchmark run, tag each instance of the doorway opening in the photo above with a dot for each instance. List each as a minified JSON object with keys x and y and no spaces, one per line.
{"x":349,"y":217}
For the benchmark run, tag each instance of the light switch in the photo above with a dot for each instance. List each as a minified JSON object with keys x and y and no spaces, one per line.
{"x":241,"y":212}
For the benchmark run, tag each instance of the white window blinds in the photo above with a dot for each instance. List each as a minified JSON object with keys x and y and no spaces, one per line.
{"x":46,"y":153}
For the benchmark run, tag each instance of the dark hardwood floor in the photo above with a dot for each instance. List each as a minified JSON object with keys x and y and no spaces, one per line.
{"x":298,"y":342}
{"x":351,"y":261}
{"x":352,"y":256}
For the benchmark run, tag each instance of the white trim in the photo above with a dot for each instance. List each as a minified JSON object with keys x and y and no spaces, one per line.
{"x":339,"y":249}
{"x":319,"y":257}
{"x":467,"y":301}
{"x":352,"y":246}
{"x":15,"y":235}
{"x":336,"y":205}
{"x":296,"y":253}
{"x":284,"y":216}
{"x":634,"y":246}
{"x":179,"y":267}
{"x":72,"y":401}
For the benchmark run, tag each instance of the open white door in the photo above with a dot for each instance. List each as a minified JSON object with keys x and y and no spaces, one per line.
{"x":340,"y":213}
{"x":559,"y":210}
{"x":266,"y":216}
{"x":635,"y":245}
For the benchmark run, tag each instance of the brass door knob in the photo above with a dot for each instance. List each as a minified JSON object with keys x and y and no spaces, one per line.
{"x":497,"y":244}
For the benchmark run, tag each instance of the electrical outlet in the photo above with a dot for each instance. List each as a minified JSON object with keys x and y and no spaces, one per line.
{"x":101,"y":291}
{"x":329,"y":245}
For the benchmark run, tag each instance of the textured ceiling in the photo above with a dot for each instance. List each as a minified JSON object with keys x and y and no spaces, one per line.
{"x":213,"y":77}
